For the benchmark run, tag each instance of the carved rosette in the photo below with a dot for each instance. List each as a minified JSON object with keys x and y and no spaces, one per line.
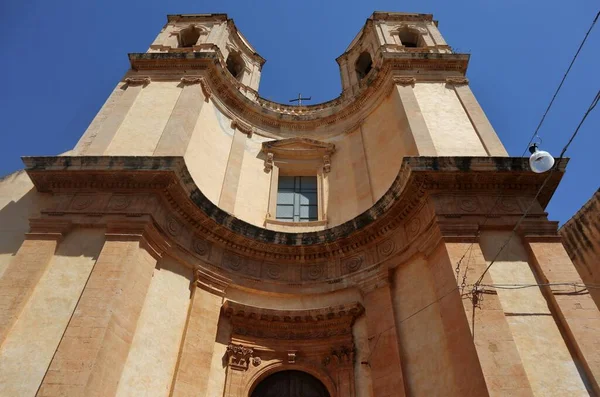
{"x":239,"y":357}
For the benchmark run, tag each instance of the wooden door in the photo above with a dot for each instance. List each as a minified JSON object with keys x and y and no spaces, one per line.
{"x":290,"y":384}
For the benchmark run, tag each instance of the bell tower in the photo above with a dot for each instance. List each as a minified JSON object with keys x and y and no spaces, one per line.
{"x":210,"y":33}
{"x":388,"y":35}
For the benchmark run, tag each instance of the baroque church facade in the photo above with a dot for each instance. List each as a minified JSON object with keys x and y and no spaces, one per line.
{"x":200,"y":240}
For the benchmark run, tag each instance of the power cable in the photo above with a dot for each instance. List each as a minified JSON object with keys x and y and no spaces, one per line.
{"x":534,"y":200}
{"x":535,"y":133}
{"x":561,"y":83}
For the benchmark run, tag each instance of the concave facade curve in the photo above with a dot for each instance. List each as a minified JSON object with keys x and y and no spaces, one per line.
{"x":200,"y":239}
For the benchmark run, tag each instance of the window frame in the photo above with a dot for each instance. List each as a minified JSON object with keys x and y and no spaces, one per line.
{"x":271,"y":217}
{"x":297,"y":191}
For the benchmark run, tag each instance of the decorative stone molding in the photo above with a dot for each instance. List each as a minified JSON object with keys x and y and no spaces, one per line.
{"x":410,"y":26}
{"x":239,"y":357}
{"x":133,"y":81}
{"x":298,"y":149}
{"x":426,"y":192}
{"x":48,"y":228}
{"x":242,"y":127}
{"x":340,"y":356}
{"x":287,"y":119}
{"x":189,"y":80}
{"x":405,"y":80}
{"x":269,"y":162}
{"x":326,"y":163}
{"x":458,"y":80}
{"x":211,"y":282}
{"x":205,"y":90}
{"x":312,"y":324}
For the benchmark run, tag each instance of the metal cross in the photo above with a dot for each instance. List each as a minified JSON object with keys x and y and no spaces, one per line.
{"x":300,"y":99}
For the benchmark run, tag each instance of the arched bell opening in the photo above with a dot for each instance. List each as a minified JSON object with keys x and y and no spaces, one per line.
{"x":364,"y":64}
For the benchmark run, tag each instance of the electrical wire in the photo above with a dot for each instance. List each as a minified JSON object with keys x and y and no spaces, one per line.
{"x":534,"y":200}
{"x":561,"y":83}
{"x":535,"y":133}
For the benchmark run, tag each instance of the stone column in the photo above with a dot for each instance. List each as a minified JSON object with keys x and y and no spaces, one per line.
{"x":384,"y":359}
{"x":412,"y":113}
{"x":234,"y":167}
{"x":480,"y":122}
{"x":92,"y":353}
{"x":573,"y":307}
{"x":193,"y":368}
{"x":114,"y":119}
{"x":25,"y":270}
{"x":178,"y":131}
{"x":494,"y":344}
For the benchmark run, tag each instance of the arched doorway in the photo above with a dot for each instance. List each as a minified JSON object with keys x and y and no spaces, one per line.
{"x":290,"y":384}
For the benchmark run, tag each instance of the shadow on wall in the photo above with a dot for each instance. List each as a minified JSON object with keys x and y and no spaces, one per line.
{"x":19,"y":201}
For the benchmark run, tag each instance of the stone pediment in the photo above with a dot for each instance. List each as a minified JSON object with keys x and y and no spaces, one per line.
{"x":298,"y":148}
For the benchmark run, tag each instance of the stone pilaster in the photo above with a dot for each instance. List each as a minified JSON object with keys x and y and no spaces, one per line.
{"x":496,"y":349}
{"x":114,"y":119}
{"x":193,"y":367}
{"x":92,"y":353}
{"x":25,"y":270}
{"x":234,"y":168}
{"x":572,"y":306}
{"x":412,"y":114}
{"x":480,"y":122}
{"x":384,"y":345}
{"x":178,"y":131}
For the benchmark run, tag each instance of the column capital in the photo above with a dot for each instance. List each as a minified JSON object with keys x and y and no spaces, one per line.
{"x":405,"y":80}
{"x":210,"y":282}
{"x":48,"y":228}
{"x":242,"y":127}
{"x":142,"y":230}
{"x":133,"y":81}
{"x":457,"y":80}
{"x":375,"y":279}
{"x":190,"y":80}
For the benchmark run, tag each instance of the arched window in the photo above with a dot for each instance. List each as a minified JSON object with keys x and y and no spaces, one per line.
{"x":409,"y":38}
{"x":363,"y":65}
{"x":235,"y":65}
{"x":188,"y":37}
{"x":290,"y":384}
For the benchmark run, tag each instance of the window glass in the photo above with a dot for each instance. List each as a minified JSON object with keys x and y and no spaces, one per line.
{"x":297,"y":199}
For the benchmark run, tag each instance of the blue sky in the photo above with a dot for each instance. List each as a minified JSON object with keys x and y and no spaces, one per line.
{"x":61,"y":59}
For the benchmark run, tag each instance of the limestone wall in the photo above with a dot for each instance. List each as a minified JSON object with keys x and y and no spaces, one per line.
{"x":581,"y":237}
{"x":19,"y":201}
{"x":145,"y":118}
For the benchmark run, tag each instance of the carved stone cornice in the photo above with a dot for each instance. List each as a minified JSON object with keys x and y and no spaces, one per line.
{"x":285,"y":120}
{"x":262,"y":323}
{"x":427,"y":191}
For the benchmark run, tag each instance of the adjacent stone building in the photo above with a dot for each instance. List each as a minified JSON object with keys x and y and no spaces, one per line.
{"x":200,"y":240}
{"x":581,"y":237}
